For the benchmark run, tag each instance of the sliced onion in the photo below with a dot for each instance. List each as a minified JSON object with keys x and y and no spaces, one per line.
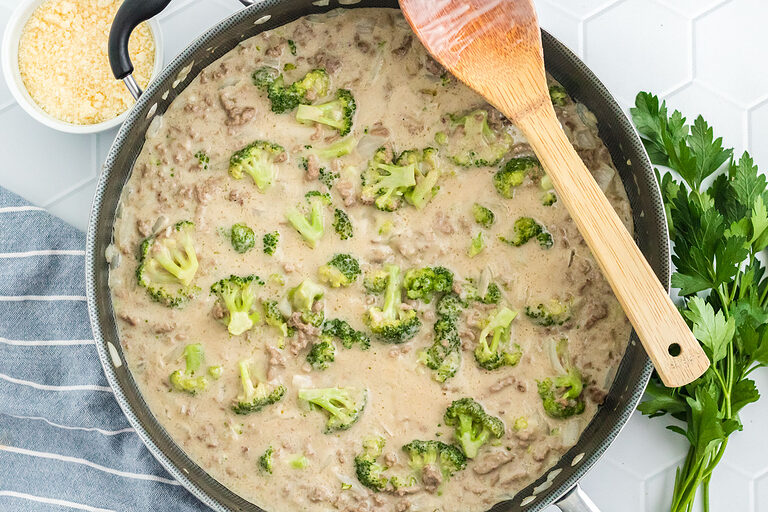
{"x":554,"y":358}
{"x":570,"y":432}
{"x":369,"y":144}
{"x":604,"y":176}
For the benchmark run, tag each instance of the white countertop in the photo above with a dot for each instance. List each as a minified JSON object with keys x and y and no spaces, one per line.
{"x":704,"y":56}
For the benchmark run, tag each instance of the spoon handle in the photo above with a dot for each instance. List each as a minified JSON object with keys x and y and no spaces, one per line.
{"x":677,"y":356}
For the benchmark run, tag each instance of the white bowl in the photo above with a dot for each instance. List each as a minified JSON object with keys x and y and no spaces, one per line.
{"x":10,"y":61}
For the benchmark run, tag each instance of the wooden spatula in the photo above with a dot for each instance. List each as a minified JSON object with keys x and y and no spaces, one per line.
{"x":494,"y":46}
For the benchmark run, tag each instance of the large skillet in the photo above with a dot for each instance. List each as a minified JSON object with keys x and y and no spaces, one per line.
{"x":559,"y":485}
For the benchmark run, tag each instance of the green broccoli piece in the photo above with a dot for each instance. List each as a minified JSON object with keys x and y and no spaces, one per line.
{"x":273,"y":317}
{"x":311,"y":228}
{"x":203,"y":159}
{"x":548,"y":195}
{"x":427,"y":173}
{"x":513,"y":174}
{"x":327,"y":178}
{"x":341,"y":330}
{"x":493,"y":356}
{"x":342,"y":270}
{"x":321,"y":355}
{"x":303,"y":298}
{"x":167,"y":265}
{"x":444,"y":355}
{"x":472,"y":142}
{"x":344,"y":405}
{"x":393,"y":323}
{"x":266,"y":460}
{"x":483,"y":216}
{"x":337,"y":113}
{"x":448,"y":458}
{"x":187,"y":381}
{"x":558,"y":95}
{"x":385,"y":183}
{"x":337,"y":149}
{"x":477,"y":245}
{"x":342,"y":224}
{"x":286,"y":98}
{"x":376,"y":282}
{"x":473,"y":426}
{"x":525,"y":229}
{"x":552,"y":312}
{"x":242,"y":238}
{"x":257,"y":160}
{"x":369,"y":471}
{"x":470,"y":293}
{"x":299,"y":461}
{"x":562,"y":396}
{"x":254,"y":398}
{"x":215,"y":371}
{"x":423,"y":283}
{"x":270,"y":241}
{"x":292,"y":47}
{"x":238,"y":296}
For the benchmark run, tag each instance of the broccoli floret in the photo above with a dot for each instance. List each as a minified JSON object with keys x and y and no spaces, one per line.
{"x":496,"y":355}
{"x":548,"y":195}
{"x":242,"y":238}
{"x":444,"y":356}
{"x":337,"y":149}
{"x":327,"y":178}
{"x":385,"y":183}
{"x":476,"y":246}
{"x":299,"y":461}
{"x":275,"y":318}
{"x":203,"y":159}
{"x":292,"y":47}
{"x":254,"y":398}
{"x":311,"y":229}
{"x":187,"y":381}
{"x":446,"y":457}
{"x":167,"y":265}
{"x":513,"y":174}
{"x":427,"y":173}
{"x":424,"y":283}
{"x":561,"y":396}
{"x":321,"y":355}
{"x":473,"y":426}
{"x":257,"y":160}
{"x":341,"y":330}
{"x":393,"y":323}
{"x":265,"y":461}
{"x":238,"y":296}
{"x":344,"y":405}
{"x":525,"y":229}
{"x":473,"y":142}
{"x":215,"y":371}
{"x":342,"y":224}
{"x":552,"y":312}
{"x":303,"y":298}
{"x":369,"y":471}
{"x":342,"y":270}
{"x":337,"y":113}
{"x":286,"y":98}
{"x":270,"y":241}
{"x":558,"y":95}
{"x":483,"y":215}
{"x":470,"y":293}
{"x":376,"y":282}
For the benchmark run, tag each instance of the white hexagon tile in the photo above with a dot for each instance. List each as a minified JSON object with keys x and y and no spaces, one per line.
{"x":704,"y":56}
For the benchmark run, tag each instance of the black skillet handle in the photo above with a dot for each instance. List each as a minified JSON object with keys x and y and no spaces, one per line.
{"x":128,"y":17}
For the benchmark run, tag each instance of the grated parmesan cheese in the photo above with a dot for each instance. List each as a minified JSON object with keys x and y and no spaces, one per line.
{"x":64,"y":64}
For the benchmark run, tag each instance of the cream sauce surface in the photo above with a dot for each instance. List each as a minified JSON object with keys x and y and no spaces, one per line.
{"x":402,"y":97}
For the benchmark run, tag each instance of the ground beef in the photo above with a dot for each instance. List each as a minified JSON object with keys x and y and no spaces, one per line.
{"x":493,"y":461}
{"x":313,"y":168}
{"x":237,"y":114}
{"x":431,"y":477}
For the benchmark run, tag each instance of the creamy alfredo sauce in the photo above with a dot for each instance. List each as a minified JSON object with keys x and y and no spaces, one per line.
{"x":402,"y":97}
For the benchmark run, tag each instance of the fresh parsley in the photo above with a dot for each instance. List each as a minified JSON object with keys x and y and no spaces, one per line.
{"x":718,"y":222}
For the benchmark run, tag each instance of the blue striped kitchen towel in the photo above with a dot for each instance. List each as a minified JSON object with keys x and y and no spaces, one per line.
{"x":64,"y":442}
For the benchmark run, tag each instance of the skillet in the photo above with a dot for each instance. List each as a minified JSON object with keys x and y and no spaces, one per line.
{"x":559,"y":485}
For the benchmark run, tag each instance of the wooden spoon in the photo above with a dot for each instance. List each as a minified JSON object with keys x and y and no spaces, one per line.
{"x":494,"y":46}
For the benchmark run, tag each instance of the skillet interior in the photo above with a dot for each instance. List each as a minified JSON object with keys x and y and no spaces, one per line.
{"x":615,"y":129}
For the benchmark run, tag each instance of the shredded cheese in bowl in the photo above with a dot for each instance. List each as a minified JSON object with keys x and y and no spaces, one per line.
{"x":64,"y":65}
